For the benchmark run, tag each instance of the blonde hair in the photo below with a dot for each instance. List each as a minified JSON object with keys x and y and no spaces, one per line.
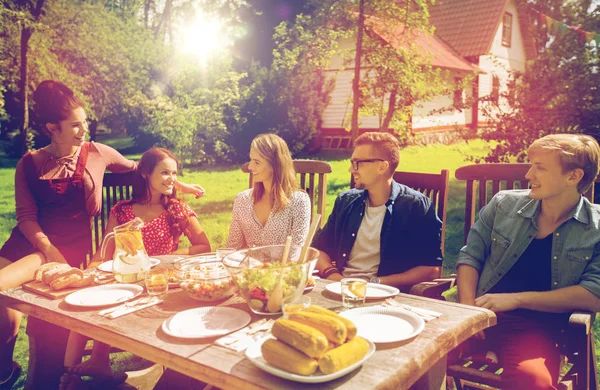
{"x":575,"y":151}
{"x":274,"y":149}
{"x":386,"y":146}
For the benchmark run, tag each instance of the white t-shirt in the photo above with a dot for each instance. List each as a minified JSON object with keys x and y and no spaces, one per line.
{"x":364,"y":256}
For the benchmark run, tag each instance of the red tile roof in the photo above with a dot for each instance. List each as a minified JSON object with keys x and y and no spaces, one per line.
{"x":469,"y":26}
{"x":442,"y":55}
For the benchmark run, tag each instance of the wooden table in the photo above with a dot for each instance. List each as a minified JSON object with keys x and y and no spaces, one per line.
{"x":419,"y":363}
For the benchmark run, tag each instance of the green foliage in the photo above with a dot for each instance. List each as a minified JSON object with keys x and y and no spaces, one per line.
{"x":195,"y":111}
{"x":558,"y":93}
{"x":397,"y":74}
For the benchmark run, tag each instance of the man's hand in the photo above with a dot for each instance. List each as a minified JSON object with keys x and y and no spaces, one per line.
{"x":194,"y":189}
{"x":499,"y":302}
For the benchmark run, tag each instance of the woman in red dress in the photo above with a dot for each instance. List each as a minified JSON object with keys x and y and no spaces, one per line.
{"x":58,"y":189}
{"x":165,"y":218}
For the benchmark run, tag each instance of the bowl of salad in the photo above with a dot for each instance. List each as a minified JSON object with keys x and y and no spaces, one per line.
{"x":203,"y":279}
{"x":256,"y":273}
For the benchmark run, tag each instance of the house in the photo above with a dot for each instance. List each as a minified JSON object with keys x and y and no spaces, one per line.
{"x":488,"y":38}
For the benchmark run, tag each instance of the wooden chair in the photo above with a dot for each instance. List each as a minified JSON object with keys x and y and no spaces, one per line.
{"x":313,"y":179}
{"x":115,"y":187}
{"x":482,"y":182}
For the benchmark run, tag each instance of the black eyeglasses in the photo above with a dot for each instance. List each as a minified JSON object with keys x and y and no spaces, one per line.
{"x":356,"y":163}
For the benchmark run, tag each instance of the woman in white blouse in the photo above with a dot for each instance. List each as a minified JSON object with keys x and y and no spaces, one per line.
{"x":275,"y":208}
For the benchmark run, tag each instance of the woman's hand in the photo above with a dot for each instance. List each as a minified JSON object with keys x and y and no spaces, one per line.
{"x":51,"y":252}
{"x":194,"y":189}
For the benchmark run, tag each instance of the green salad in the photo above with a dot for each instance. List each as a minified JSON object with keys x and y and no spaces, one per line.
{"x":256,"y":284}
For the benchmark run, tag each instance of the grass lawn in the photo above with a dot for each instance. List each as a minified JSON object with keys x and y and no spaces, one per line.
{"x":223,"y":183}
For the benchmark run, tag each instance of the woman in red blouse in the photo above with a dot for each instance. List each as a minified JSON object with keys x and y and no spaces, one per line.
{"x":166,"y":218}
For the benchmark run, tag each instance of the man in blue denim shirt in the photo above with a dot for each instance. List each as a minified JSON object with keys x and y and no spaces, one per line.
{"x":533,"y":256}
{"x":381,"y":231}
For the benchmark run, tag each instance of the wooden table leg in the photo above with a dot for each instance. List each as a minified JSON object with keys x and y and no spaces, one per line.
{"x":435,"y":378}
{"x":47,"y":344}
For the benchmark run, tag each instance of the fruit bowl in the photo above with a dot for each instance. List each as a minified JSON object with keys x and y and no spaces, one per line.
{"x":256,"y":272}
{"x":204,"y":280}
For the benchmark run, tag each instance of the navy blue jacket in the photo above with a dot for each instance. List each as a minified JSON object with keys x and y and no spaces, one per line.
{"x":410,"y":235}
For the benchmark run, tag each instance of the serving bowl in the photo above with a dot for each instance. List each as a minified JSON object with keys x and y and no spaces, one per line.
{"x":203,"y":279}
{"x":256,"y":272}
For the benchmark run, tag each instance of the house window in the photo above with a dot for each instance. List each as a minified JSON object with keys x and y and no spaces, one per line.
{"x":495,"y":95}
{"x":506,"y":29}
{"x":457,"y":98}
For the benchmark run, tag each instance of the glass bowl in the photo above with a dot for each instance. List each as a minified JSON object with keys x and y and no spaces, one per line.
{"x":204,"y":280}
{"x":256,"y":272}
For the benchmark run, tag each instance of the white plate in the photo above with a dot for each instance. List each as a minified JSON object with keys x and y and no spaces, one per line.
{"x":205,"y":322}
{"x":374,"y":290}
{"x":254,"y":354}
{"x":107,"y":265}
{"x":109,"y":294}
{"x":382,"y":324}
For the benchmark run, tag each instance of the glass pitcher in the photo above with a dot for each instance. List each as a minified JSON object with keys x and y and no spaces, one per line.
{"x":130,"y":259}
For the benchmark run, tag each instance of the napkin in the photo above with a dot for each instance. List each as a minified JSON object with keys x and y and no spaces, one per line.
{"x":240,"y":340}
{"x":127,"y":310}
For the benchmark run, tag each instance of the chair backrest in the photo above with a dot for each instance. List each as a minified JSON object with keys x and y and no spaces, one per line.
{"x":484,"y":181}
{"x":115,"y":187}
{"x":433,"y":185}
{"x":313,"y":179}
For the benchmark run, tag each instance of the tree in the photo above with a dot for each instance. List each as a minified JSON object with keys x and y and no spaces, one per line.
{"x":391,"y":74}
{"x":27,"y":13}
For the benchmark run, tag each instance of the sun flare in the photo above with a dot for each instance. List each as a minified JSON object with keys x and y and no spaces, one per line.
{"x":205,"y":37}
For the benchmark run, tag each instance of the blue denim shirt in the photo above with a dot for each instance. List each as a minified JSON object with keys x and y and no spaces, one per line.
{"x":507,"y":225}
{"x":410,"y":234}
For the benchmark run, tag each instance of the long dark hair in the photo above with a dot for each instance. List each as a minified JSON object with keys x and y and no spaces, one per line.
{"x":54,"y":102}
{"x":141,"y":189}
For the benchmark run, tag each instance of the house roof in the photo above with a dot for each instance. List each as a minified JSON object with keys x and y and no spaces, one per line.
{"x":442,"y":55}
{"x":469,"y":26}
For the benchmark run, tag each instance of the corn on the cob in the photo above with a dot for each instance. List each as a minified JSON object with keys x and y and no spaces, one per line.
{"x":302,"y":337}
{"x":287,"y":358}
{"x":343,"y":356}
{"x":350,"y":327}
{"x":331,"y":327}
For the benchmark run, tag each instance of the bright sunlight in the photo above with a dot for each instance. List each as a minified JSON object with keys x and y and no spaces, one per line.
{"x":205,"y":37}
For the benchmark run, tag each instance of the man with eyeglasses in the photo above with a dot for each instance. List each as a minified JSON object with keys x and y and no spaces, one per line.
{"x":381,"y":231}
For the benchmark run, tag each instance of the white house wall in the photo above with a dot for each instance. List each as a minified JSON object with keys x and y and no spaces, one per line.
{"x":424,"y":118}
{"x":499,"y":62}
{"x":502,"y":60}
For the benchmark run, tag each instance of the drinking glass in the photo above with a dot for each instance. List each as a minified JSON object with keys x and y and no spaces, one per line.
{"x":157,"y":281}
{"x":222,"y":252}
{"x":292,"y":304}
{"x":354,"y":292}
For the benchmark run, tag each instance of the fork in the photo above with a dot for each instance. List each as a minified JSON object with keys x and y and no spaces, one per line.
{"x":265,"y":326}
{"x":126,"y":305}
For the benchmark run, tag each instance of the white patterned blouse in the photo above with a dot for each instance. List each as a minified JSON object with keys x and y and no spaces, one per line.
{"x":246,"y":230}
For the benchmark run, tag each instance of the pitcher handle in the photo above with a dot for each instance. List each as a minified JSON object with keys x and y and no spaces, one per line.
{"x":107,"y":238}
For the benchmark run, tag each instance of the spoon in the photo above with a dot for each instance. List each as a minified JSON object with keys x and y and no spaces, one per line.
{"x":311,"y":234}
{"x":274,"y":302}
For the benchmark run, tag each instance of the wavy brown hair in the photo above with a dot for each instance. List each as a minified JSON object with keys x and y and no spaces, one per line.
{"x":274,"y":149}
{"x":141,"y":189}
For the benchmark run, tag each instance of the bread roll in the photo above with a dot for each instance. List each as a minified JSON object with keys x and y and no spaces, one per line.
{"x":38,"y":272}
{"x":85,"y":281}
{"x":65,"y":281}
{"x":53,"y":272}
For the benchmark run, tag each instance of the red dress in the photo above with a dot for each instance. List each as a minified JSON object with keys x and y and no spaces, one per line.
{"x":157,"y":236}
